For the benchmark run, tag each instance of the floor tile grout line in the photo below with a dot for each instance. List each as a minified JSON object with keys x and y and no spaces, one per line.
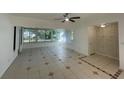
{"x":112,"y":76}
{"x":65,"y":67}
{"x":117,"y":74}
{"x":71,"y":71}
{"x":63,"y":64}
{"x":62,"y":73}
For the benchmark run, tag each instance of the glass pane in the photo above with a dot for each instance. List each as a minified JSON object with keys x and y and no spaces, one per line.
{"x":26,"y":36}
{"x":33,"y":36}
{"x":54,"y":35}
{"x":47,"y":35}
{"x":62,"y":36}
{"x":40,"y":35}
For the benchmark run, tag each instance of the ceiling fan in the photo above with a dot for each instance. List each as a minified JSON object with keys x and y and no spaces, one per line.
{"x":66,"y":18}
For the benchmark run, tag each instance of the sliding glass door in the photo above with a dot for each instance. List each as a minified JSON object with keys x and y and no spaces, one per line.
{"x":40,"y":35}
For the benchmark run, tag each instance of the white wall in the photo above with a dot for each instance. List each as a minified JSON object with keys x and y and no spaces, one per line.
{"x":121,"y":42}
{"x":92,"y":40}
{"x":80,"y":42}
{"x":20,"y":39}
{"x":7,"y":55}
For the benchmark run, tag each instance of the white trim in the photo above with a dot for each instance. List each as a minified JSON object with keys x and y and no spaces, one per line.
{"x":108,"y":56}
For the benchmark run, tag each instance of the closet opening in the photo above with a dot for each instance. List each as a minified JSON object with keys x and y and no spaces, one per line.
{"x":104,"y":47}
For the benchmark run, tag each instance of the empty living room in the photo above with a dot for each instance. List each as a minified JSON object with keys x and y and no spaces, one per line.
{"x":61,"y":46}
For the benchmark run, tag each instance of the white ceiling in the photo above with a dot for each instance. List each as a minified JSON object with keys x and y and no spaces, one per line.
{"x":51,"y":16}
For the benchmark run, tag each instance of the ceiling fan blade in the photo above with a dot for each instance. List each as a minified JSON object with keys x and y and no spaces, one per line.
{"x":75,"y":18}
{"x":71,"y":20}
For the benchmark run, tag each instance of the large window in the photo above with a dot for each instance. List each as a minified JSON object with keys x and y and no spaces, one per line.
{"x":31,"y":35}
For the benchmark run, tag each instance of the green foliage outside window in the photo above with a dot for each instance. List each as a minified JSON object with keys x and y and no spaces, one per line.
{"x":39,"y":35}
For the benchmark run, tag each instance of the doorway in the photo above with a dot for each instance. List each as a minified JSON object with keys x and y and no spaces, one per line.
{"x":103,"y":40}
{"x":103,"y":47}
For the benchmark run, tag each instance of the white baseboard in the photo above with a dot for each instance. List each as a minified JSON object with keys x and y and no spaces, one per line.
{"x":108,"y":56}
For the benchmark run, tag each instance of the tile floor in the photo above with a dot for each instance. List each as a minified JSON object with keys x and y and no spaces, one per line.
{"x":61,"y":63}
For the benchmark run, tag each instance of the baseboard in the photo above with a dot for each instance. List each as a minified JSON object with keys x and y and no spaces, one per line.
{"x":107,"y":56}
{"x":92,"y":54}
{"x":76,"y":51}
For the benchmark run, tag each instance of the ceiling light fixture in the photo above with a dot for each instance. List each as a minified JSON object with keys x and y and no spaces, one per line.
{"x":66,"y":19}
{"x":103,"y":25}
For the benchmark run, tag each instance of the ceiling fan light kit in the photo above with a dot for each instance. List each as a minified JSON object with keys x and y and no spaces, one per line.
{"x":67,"y":18}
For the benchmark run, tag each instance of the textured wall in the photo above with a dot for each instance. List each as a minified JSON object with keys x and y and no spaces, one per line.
{"x":107,"y":40}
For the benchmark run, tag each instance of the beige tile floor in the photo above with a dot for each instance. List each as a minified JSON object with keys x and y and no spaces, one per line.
{"x":107,"y":64}
{"x":59,"y":63}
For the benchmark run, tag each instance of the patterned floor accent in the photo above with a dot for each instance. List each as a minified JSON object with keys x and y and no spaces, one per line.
{"x":95,"y":73}
{"x":46,"y":63}
{"x":79,"y":62}
{"x":50,"y":74}
{"x":67,"y":67}
{"x":115,"y":76}
{"x":28,"y":68}
{"x":57,"y":63}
